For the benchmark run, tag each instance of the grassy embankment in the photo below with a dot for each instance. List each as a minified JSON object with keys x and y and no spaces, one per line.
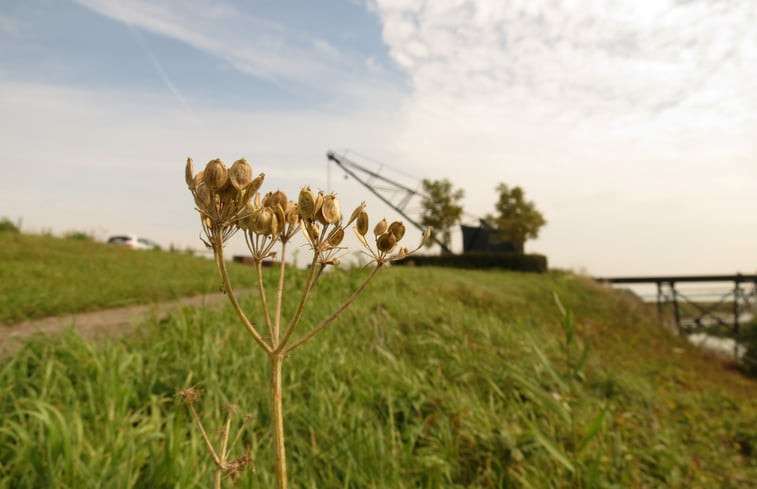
{"x":436,"y":378}
{"x":44,"y":276}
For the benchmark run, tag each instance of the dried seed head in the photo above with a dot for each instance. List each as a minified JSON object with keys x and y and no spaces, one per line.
{"x":277,"y":198}
{"x":330,"y":209}
{"x":362,"y":223}
{"x":216,"y":175}
{"x":336,"y":237}
{"x":188,"y":174}
{"x":306,"y":203}
{"x":190,"y":394}
{"x":240,"y":174}
{"x":397,"y":229}
{"x":386,"y":242}
{"x":380,"y":227}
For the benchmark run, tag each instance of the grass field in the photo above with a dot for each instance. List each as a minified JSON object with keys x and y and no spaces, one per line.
{"x":436,"y":378}
{"x":44,"y":276}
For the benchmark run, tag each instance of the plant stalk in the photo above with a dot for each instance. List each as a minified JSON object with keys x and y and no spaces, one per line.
{"x":221,"y":265}
{"x":277,"y":414}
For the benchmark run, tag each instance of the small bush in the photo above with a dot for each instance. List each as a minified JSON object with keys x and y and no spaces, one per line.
{"x":485,"y":261}
{"x":78,"y":236}
{"x":7,"y":226}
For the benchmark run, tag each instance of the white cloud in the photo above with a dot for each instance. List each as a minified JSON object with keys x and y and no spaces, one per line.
{"x":252,"y":45}
{"x":615,"y":117}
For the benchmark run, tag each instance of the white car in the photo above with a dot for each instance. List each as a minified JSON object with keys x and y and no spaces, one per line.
{"x":133,"y":242}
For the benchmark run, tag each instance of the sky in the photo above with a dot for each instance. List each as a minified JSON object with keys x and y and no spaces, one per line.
{"x":632,"y":125}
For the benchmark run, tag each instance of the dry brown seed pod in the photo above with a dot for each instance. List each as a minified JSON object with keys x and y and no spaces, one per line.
{"x":426,"y":236}
{"x":276,"y":225}
{"x":240,"y":174}
{"x":330,"y":209}
{"x":318,"y":216}
{"x":306,"y":203}
{"x":188,"y":174}
{"x":292,"y":213}
{"x":262,"y":221}
{"x":202,"y":196}
{"x":280,"y":217}
{"x":380,"y":227}
{"x":229,"y":194}
{"x":336,"y":237}
{"x":216,"y":175}
{"x":386,"y":242}
{"x":246,"y":218}
{"x":254,"y":186}
{"x":397,"y":229}
{"x":362,"y":223}
{"x":356,"y":213}
{"x":278,"y":198}
{"x":314,"y":231}
{"x":199,"y":180}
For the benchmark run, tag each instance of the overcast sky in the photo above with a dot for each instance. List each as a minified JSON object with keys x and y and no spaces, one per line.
{"x":631,"y":124}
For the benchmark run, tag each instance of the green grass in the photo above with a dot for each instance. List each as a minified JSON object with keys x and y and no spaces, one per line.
{"x":45,"y":276}
{"x":436,"y":378}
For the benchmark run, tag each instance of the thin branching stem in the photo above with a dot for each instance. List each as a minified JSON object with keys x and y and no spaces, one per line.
{"x":336,"y":313}
{"x":230,"y":293}
{"x":226,"y":433}
{"x":279,"y":295}
{"x":205,"y":436}
{"x":264,"y":301}
{"x":301,"y":306}
{"x":277,"y":411}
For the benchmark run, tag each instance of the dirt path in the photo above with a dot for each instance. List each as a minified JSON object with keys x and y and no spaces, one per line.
{"x":108,"y":323}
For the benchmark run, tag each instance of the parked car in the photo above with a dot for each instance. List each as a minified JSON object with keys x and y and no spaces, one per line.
{"x":133,"y":242}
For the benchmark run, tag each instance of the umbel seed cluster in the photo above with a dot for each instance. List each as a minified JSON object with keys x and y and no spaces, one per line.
{"x":229,"y":199}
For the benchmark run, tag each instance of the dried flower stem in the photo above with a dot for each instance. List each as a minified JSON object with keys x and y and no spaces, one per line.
{"x":279,"y":296}
{"x":277,"y":411}
{"x":333,"y":315}
{"x":264,"y":301}
{"x":221,"y":264}
{"x":312,"y":275}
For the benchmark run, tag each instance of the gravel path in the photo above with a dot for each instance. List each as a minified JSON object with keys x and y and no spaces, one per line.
{"x":108,"y":323}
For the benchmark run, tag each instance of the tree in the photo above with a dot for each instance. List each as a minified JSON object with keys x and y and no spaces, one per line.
{"x":517,"y":219}
{"x":441,"y":209}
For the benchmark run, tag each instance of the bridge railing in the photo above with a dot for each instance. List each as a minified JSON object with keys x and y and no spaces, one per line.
{"x":730,"y":309}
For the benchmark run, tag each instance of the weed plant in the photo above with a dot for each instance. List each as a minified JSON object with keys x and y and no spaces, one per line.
{"x":228,"y":200}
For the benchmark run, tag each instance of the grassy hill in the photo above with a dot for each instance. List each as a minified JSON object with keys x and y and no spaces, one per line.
{"x":435,"y":378}
{"x":45,"y":276}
